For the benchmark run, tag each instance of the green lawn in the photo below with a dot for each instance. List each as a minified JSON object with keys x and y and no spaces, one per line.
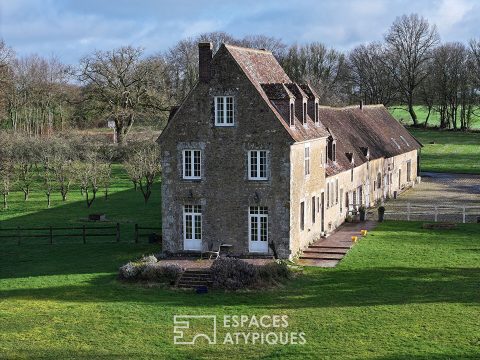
{"x":401,"y":114}
{"x":454,"y":152}
{"x":123,"y":205}
{"x":401,"y":293}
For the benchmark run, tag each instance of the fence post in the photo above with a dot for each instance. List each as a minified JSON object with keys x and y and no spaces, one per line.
{"x":19,"y":235}
{"x":118,"y":232}
{"x":84,"y":235}
{"x":51,"y":236}
{"x":136,"y":233}
{"x":436,"y":213}
{"x":408,"y":211}
{"x":464,"y":217}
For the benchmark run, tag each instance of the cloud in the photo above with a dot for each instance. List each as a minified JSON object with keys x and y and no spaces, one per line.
{"x":451,"y":13}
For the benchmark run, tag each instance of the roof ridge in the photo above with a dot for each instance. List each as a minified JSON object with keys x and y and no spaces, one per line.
{"x":248,"y":49}
{"x":350,"y":107}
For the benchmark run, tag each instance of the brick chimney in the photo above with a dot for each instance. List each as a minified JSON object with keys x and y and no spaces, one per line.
{"x":204,"y":61}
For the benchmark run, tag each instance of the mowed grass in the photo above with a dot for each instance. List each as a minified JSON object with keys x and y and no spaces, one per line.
{"x":401,"y":114}
{"x":401,"y":293}
{"x":124,"y":205}
{"x":451,"y":151}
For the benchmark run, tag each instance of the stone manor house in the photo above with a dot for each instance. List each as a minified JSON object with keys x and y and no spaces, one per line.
{"x":252,"y":159}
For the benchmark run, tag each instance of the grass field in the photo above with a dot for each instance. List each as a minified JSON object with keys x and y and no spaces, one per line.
{"x":123,"y":205}
{"x":402,"y":115}
{"x":401,"y":293}
{"x":454,"y":152}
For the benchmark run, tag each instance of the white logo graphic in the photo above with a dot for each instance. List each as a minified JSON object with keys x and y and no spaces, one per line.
{"x":185,"y":327}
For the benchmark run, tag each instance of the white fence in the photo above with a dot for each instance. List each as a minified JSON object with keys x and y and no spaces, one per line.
{"x":430,"y":212}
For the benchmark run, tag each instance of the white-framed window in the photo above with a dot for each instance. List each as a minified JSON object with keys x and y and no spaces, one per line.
{"x":224,"y":111}
{"x":257,"y":165}
{"x":192,"y":164}
{"x":307,"y":159}
{"x":192,"y":222}
{"x":292,"y":114}
{"x":258,"y":228}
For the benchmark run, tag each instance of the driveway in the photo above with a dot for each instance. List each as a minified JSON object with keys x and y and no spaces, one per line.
{"x":445,"y":194}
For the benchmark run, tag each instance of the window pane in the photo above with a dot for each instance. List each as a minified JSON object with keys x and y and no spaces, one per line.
{"x":253,"y":164}
{"x":198,"y":227}
{"x":253,"y":228}
{"x":220,"y":110}
{"x":229,"y":110}
{"x":263,"y":228}
{"x":263,"y":164}
{"x":187,"y":163}
{"x":188,"y":227}
{"x":196,"y":163}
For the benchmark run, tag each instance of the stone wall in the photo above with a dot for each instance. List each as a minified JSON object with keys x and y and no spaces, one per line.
{"x":224,"y":190}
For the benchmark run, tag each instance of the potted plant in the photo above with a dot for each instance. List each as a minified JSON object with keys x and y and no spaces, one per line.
{"x":381,"y":213}
{"x":362,"y":210}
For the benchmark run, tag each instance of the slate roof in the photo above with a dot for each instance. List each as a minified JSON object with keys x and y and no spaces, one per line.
{"x":354,"y":129}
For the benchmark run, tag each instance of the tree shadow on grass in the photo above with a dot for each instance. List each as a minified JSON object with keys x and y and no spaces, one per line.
{"x":361,"y":287}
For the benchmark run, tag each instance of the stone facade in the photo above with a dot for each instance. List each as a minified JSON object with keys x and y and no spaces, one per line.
{"x":223,"y":193}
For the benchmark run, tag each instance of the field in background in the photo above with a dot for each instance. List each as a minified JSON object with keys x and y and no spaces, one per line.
{"x":449,"y":151}
{"x":124,"y":206}
{"x":401,"y":293}
{"x":401,"y":114}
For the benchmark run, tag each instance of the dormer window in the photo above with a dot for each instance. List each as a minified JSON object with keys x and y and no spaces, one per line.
{"x":224,"y":111}
{"x":292,"y":114}
{"x":304,"y":113}
{"x":332,"y":149}
{"x":316,"y":113}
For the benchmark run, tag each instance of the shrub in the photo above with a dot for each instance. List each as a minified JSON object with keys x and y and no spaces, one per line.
{"x":148,"y":259}
{"x":152,"y":272}
{"x":172,"y":272}
{"x":130,"y":271}
{"x":274,"y":272}
{"x":233,"y":274}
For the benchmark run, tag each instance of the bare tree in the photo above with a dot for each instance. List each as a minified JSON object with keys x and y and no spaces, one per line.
{"x":325,"y":69}
{"x":26,"y":155}
{"x":121,"y":86}
{"x":409,"y":44}
{"x":144,"y":165}
{"x":372,"y":81}
{"x":6,"y":169}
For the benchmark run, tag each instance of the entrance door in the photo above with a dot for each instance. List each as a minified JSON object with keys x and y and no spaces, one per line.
{"x":322,"y":211}
{"x":192,"y":227}
{"x":258,"y":229}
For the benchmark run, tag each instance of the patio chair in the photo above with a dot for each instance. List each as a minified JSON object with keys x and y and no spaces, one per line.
{"x":215,"y":254}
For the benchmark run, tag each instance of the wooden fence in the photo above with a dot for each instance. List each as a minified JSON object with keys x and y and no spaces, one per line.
{"x":436,"y":213}
{"x":51,"y":233}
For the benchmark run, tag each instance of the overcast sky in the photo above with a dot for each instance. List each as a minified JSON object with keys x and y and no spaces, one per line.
{"x":73,"y":28}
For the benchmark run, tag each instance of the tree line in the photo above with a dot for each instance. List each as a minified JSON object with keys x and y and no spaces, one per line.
{"x":409,"y":67}
{"x":59,"y":164}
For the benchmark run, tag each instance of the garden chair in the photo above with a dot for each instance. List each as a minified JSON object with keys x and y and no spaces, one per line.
{"x":215,"y":254}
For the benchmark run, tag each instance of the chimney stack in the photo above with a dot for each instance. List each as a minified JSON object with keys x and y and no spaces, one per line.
{"x":204,"y":61}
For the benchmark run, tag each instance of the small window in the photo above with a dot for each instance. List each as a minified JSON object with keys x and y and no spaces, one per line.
{"x":302,"y":215}
{"x":304,"y":114}
{"x":379,"y":181}
{"x":328,"y":195}
{"x":313,"y":209}
{"x":316,"y":113}
{"x":257,"y":165}
{"x":409,"y":170}
{"x":224,"y":111}
{"x":192,"y":164}
{"x":292,"y":115}
{"x":334,"y":152}
{"x":336,"y":191}
{"x":307,"y":159}
{"x":341,"y":200}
